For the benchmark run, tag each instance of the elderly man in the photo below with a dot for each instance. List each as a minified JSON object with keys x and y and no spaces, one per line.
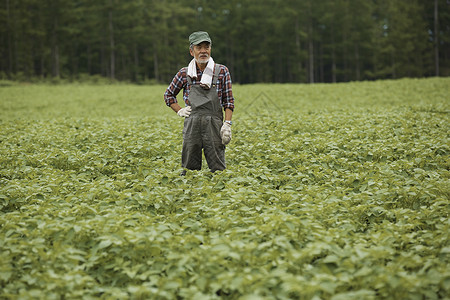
{"x":207,"y":94}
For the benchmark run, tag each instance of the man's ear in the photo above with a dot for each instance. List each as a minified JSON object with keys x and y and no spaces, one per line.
{"x":191,"y":52}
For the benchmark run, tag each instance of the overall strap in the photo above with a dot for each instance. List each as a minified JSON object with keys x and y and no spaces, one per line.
{"x":189,"y":79}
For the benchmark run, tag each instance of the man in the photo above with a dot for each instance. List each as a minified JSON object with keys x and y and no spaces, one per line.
{"x":207,"y":94}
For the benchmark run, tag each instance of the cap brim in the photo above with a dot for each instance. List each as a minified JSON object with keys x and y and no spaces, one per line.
{"x":201,"y":41}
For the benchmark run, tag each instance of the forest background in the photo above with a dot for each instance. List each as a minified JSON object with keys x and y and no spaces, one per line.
{"x":259,"y":40}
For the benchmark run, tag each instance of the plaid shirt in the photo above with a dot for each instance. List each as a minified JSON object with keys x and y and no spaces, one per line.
{"x":180,"y":82}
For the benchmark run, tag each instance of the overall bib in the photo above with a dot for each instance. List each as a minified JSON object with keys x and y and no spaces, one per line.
{"x":202,"y":128}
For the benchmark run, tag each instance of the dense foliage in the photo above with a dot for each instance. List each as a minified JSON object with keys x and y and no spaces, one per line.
{"x":259,"y":40}
{"x":332,"y":192}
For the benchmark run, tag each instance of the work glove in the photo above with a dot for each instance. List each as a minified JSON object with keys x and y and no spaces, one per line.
{"x":225,"y":133}
{"x":185,"y":112}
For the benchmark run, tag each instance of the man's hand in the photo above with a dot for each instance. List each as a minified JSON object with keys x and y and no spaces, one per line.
{"x":225,"y":133}
{"x":184,"y":112}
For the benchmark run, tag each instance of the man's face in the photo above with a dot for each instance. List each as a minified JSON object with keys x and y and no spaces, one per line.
{"x":201,"y":52}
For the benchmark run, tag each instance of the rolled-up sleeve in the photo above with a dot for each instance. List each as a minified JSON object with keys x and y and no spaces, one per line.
{"x":177,"y":84}
{"x":227,"y":91}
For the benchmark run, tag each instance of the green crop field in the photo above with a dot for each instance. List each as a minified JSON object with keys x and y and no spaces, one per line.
{"x":333,"y":191}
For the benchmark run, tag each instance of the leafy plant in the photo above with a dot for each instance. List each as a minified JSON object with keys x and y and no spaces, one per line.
{"x":335,"y":192}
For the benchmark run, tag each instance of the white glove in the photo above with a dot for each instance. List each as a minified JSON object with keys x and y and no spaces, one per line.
{"x":225,"y":133}
{"x":185,"y":112}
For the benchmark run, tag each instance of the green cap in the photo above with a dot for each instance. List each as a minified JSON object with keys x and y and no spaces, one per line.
{"x":198,"y":37}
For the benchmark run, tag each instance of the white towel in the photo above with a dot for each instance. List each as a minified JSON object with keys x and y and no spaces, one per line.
{"x":207,"y":75}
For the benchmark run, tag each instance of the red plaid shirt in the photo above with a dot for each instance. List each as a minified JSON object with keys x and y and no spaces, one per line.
{"x":223,"y":86}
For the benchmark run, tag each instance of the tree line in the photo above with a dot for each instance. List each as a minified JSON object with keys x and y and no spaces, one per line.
{"x":259,"y":40}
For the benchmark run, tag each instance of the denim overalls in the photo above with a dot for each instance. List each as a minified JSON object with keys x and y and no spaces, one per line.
{"x":202,"y":127}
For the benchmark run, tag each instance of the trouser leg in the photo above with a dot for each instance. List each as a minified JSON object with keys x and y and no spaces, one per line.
{"x":191,"y":155}
{"x":215,"y":156}
{"x":213,"y":147}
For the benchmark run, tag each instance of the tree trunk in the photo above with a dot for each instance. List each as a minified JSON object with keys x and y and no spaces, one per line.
{"x":310,"y":46}
{"x":103,"y":60}
{"x":155,"y":65}
{"x":358,"y":69}
{"x":136,"y":63}
{"x":345,"y":57}
{"x":333,"y":55}
{"x":89,"y":59}
{"x":55,"y":50}
{"x":75,"y":61}
{"x":111,"y":43}
{"x":279,"y":66}
{"x":299,"y":49}
{"x":436,"y":37}
{"x":322,"y":71}
{"x":393,"y":62}
{"x":311,"y":60}
{"x":42,"y":60}
{"x":333,"y":65}
{"x":8,"y":32}
{"x":311,"y":52}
